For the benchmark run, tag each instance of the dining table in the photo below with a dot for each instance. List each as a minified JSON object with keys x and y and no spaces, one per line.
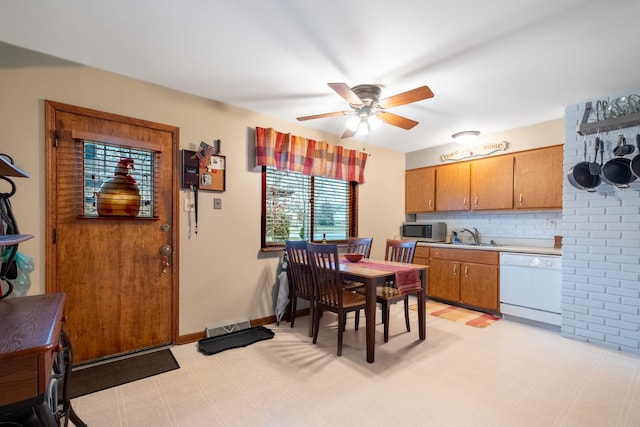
{"x":372,"y":273}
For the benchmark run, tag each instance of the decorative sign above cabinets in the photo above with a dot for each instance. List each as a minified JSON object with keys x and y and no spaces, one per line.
{"x":480,"y":150}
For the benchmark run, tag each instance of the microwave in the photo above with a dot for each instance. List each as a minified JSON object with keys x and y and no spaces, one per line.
{"x":425,"y":231}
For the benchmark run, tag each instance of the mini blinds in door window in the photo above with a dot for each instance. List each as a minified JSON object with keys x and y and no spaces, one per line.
{"x":302,"y":207}
{"x":100,"y":162}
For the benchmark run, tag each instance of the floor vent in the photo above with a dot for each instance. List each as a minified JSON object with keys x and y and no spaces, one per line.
{"x":214,"y":331}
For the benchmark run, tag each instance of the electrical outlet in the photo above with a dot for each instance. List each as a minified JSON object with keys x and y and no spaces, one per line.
{"x":188,"y":205}
{"x":217,"y":203}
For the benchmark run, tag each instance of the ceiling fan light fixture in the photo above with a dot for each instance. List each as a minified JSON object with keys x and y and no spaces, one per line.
{"x":374,"y":122}
{"x":353,"y":123}
{"x":364,"y":128}
{"x":465,"y":137}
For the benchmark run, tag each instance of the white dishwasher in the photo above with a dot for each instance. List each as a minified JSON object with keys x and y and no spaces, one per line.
{"x":530,"y":287}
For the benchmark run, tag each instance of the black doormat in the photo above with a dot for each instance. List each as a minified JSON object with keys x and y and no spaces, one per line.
{"x":111,"y":374}
{"x":241,"y":338}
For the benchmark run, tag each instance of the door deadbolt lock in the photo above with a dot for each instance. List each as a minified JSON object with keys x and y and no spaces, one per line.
{"x":165,"y":250}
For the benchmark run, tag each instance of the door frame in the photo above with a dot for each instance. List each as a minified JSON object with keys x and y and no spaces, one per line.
{"x":50,"y":141}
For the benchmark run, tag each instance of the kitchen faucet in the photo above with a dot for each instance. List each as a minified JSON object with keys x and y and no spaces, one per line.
{"x":474,"y":235}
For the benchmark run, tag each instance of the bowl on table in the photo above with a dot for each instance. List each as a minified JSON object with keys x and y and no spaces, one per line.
{"x":353,"y":257}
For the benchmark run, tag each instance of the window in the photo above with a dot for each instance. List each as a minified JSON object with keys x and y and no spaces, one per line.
{"x":99,"y":163}
{"x":302,"y":207}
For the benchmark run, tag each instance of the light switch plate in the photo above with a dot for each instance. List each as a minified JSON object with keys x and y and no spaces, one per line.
{"x":188,"y":205}
{"x":217,"y":203}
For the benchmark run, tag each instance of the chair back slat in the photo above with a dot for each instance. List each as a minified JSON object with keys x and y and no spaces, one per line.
{"x":299,"y":273}
{"x":325,"y":270}
{"x":400,"y":250}
{"x":360,"y":245}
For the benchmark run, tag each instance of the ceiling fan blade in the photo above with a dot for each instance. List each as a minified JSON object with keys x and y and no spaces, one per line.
{"x":396,"y":120}
{"x":321,"y":116}
{"x":345,"y":92}
{"x":413,"y":95}
{"x":348,"y":133}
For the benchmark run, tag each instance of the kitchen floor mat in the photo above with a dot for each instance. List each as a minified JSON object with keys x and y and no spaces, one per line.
{"x":241,"y":338}
{"x":477,"y":319}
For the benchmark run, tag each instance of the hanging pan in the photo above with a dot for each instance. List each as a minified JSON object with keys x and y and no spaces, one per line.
{"x":635,"y":162}
{"x":580,"y":175}
{"x":617,"y":170}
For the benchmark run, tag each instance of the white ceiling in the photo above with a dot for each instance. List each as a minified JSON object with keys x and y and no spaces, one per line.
{"x":493,"y":65}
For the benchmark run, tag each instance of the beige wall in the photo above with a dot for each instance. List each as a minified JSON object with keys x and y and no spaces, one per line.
{"x":224,"y":277}
{"x":525,"y":138}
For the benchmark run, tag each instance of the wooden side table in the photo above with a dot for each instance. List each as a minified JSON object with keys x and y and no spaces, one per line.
{"x":30,"y":330}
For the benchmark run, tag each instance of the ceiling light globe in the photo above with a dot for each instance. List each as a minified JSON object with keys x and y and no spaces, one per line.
{"x":465,"y":137}
{"x":353,"y":123}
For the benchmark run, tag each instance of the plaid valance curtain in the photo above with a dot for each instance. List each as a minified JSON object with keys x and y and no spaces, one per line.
{"x":307,"y":156}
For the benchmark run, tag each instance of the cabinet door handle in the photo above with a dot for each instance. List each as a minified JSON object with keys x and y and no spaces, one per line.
{"x":521,"y":199}
{"x":430,"y":203}
{"x":464,"y":201}
{"x":475,"y":202}
{"x":466,"y":271}
{"x":455,"y":269}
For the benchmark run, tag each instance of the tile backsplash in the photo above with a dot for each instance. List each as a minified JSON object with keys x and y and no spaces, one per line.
{"x":527,"y":228}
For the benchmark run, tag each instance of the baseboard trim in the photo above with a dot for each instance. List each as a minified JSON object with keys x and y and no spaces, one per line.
{"x":197,"y":336}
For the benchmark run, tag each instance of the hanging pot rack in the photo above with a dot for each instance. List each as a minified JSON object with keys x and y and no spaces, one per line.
{"x":627,"y":121}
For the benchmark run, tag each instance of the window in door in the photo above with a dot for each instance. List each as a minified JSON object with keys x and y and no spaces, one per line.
{"x":100,"y":161}
{"x":302,"y":207}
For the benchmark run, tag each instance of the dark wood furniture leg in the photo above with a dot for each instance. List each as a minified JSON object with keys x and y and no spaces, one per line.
{"x":370,"y":313}
{"x":421,"y":308}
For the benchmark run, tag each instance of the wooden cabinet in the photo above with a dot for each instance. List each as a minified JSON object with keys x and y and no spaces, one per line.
{"x":420,"y":190}
{"x":479,"y":285}
{"x":421,"y":255}
{"x":492,"y":183}
{"x":29,"y":330}
{"x":525,"y":180}
{"x":466,"y":276}
{"x":444,"y":279}
{"x":452,"y":187}
{"x":537,"y":179}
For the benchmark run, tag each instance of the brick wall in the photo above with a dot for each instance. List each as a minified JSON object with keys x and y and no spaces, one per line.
{"x":601,"y":248}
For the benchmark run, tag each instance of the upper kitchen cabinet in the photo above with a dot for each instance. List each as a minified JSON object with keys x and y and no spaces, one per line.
{"x":452,"y":187}
{"x":537,"y":179}
{"x":420,"y":190}
{"x":492,"y":183}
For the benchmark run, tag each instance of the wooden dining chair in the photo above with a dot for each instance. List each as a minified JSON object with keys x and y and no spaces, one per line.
{"x":360,"y":245}
{"x":388,"y":294}
{"x":329,"y":290}
{"x":300,"y":279}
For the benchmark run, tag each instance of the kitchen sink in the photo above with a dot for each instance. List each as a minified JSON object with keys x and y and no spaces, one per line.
{"x":494,"y":245}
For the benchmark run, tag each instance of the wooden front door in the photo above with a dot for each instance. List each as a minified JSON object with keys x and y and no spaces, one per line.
{"x":121,"y":293}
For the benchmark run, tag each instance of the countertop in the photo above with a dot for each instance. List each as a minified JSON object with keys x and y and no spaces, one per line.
{"x":496,"y":248}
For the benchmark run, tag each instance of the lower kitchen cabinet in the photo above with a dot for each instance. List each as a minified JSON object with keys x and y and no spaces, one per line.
{"x":421,"y":255}
{"x":479,"y":285}
{"x":444,"y":279}
{"x":465,"y":276}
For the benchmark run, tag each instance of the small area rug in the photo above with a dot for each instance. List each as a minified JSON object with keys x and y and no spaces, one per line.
{"x":476,"y":319}
{"x":100,"y":377}
{"x":241,"y":338}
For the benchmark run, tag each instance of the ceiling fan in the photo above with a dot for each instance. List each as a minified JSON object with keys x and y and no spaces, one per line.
{"x":365,"y":103}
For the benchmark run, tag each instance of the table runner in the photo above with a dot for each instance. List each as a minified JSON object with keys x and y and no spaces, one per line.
{"x":407,"y":279}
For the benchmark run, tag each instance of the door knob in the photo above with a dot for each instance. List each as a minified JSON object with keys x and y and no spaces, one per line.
{"x":165,"y":251}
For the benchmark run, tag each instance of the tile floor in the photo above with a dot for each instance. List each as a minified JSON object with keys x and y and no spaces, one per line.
{"x":509,"y":374}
